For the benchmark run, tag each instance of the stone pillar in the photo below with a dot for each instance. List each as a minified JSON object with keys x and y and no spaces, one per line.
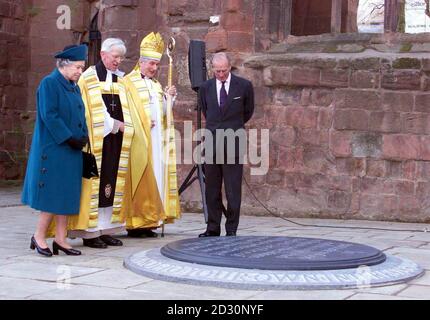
{"x":129,"y":20}
{"x":237,"y":19}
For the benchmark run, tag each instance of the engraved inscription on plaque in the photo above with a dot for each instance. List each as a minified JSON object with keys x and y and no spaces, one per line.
{"x":152,"y":263}
{"x":285,"y":253}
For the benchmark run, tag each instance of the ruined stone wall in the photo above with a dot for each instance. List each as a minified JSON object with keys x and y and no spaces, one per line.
{"x":348,"y":115}
{"x":349,"y":127}
{"x":14,"y":62}
{"x":28,"y":39}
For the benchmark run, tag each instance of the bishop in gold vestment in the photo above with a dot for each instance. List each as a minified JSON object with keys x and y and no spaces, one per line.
{"x":151,"y":194}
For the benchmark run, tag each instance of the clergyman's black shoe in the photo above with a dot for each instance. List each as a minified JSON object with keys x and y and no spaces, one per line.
{"x":230,"y":234}
{"x":95,"y":243}
{"x":208,"y":234}
{"x":69,"y":252}
{"x":43,"y":251}
{"x":141,"y":233}
{"x":111,"y":241}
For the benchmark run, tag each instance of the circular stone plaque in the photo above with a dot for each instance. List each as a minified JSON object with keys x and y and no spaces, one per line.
{"x":152,"y":264}
{"x":273,"y":253}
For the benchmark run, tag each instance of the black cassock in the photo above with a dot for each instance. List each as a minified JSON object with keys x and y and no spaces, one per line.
{"x":111,"y":144}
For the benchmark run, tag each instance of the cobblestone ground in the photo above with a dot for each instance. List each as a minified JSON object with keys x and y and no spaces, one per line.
{"x":99,"y":273}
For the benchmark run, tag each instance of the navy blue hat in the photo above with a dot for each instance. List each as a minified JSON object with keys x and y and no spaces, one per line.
{"x":73,"y":53}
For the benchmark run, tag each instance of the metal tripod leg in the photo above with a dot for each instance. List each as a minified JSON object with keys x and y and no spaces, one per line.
{"x":190,"y":179}
{"x":201,"y":176}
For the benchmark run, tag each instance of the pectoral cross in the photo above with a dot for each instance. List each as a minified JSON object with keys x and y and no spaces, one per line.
{"x":113,"y":104}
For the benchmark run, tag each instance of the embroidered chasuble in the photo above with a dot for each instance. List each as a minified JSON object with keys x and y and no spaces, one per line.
{"x":151,"y":195}
{"x":111,"y":150}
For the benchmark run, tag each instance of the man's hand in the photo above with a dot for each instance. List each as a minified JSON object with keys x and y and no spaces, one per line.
{"x":171,"y":91}
{"x":77,"y":144}
{"x":121,"y":127}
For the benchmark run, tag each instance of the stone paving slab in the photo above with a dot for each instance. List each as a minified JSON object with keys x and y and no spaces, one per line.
{"x":372,"y":296}
{"x":415,"y":292}
{"x":85,"y":292}
{"x":420,"y":256}
{"x":391,"y":235}
{"x":42,"y":271}
{"x":23,"y":288}
{"x":111,"y":278}
{"x":194,"y":292}
{"x":61,"y":259}
{"x":22,"y":267}
{"x":386,"y":290}
{"x":424,"y":280}
{"x":424,"y":236}
{"x":304,"y":295}
{"x":6,"y":253}
{"x":113,"y":263}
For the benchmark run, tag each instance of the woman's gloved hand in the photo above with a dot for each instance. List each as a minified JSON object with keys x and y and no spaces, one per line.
{"x":77,"y":144}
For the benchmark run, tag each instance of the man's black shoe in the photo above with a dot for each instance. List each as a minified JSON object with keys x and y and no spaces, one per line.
{"x":230,"y":234}
{"x":111,"y":241}
{"x":95,"y":243}
{"x":141,"y":233}
{"x":209,"y":234}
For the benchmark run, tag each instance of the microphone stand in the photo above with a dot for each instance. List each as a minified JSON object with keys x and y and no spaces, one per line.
{"x":200,"y":172}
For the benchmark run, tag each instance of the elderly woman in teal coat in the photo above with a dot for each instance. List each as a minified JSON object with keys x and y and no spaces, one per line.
{"x":54,"y":170}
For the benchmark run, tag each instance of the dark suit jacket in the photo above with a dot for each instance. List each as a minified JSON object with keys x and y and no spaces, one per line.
{"x":238,"y":110}
{"x":239,"y":107}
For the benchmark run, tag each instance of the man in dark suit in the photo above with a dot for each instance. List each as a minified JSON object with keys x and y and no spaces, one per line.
{"x":227,"y":102}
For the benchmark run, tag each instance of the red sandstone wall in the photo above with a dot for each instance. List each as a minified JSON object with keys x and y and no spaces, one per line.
{"x":14,"y":63}
{"x":349,"y":135}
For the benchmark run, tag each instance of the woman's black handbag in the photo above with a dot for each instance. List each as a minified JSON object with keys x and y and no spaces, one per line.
{"x":89,"y":167}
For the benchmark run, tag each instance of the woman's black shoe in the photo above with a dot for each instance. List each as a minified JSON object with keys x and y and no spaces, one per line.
{"x":43,"y":251}
{"x":69,"y":252}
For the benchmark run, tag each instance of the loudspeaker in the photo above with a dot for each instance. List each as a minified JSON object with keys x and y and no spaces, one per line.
{"x":197,"y":63}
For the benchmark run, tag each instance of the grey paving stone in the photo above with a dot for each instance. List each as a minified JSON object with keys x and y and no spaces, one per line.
{"x":61,"y":259}
{"x":371,"y":296}
{"x":122,"y":253}
{"x":22,"y":288}
{"x":425,"y":246}
{"x":391,"y":235}
{"x":416,"y":292}
{"x":23,"y":266}
{"x":111,"y":263}
{"x":113,"y":278}
{"x":304,"y":295}
{"x":193,"y":292}
{"x":424,"y":236}
{"x":383,"y":244}
{"x":42,"y":271}
{"x":386,"y":290}
{"x":420,"y":256}
{"x":6,"y":253}
{"x":423,"y":280}
{"x":84,"y":292}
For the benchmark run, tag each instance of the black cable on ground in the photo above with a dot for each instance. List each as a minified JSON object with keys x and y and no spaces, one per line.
{"x":325,"y":226}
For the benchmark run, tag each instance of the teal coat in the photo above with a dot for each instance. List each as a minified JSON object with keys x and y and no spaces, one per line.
{"x":54,"y":170}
